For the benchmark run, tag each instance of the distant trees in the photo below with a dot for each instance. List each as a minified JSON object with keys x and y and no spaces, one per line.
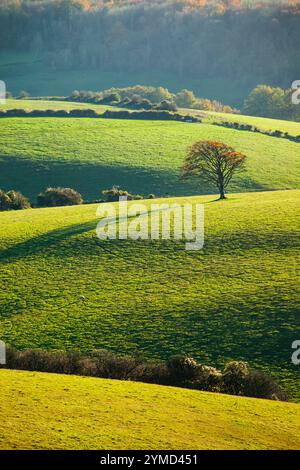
{"x":149,"y":98}
{"x":213,"y":161}
{"x":265,"y":101}
{"x":59,"y":197}
{"x":23,"y":95}
{"x":185,"y":99}
{"x":13,"y":200}
{"x":183,"y":38}
{"x":273,"y":102}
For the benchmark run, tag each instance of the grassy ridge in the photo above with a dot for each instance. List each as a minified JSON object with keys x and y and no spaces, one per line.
{"x":44,"y":104}
{"x":142,"y":156}
{"x":47,"y":411}
{"x":291,"y":127}
{"x":235,"y":299}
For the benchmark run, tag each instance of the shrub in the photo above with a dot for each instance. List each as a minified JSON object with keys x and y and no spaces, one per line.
{"x":89,"y":113}
{"x":182,"y":368}
{"x":155,"y":372}
{"x":23,"y":95}
{"x":258,"y":384}
{"x":16,"y":113}
{"x":185,"y":99}
{"x":110,"y":98}
{"x":59,"y":197}
{"x":207,"y":378}
{"x":108,"y":114}
{"x":110,"y":366}
{"x":136,"y":103}
{"x":4,"y":201}
{"x":167,"y":106}
{"x":44,"y":361}
{"x":113,"y":194}
{"x":13,"y":200}
{"x":234,"y":377}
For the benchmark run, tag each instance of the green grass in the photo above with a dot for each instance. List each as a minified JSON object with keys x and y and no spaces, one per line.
{"x":238,"y":298}
{"x":44,"y":104}
{"x":291,"y":127}
{"x":142,"y":156}
{"x":48,"y":411}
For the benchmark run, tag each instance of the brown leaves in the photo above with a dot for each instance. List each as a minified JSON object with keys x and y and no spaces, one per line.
{"x":214,"y":161}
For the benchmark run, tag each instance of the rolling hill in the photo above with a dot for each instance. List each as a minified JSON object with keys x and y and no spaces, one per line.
{"x":141,"y":156}
{"x":237,"y":298}
{"x":48,"y":411}
{"x":55,"y":104}
{"x":292,"y":127}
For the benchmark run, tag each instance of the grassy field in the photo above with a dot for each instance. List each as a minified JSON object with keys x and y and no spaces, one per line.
{"x":238,"y":298}
{"x":44,"y":104}
{"x":48,"y":411}
{"x":291,"y":127}
{"x":142,"y":156}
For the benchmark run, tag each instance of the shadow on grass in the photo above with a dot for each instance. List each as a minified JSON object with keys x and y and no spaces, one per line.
{"x":31,"y":176}
{"x":36,"y":244}
{"x":231,"y":243}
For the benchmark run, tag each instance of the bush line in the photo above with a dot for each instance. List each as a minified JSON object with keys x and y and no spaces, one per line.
{"x":248,"y":127}
{"x":90,"y":113}
{"x":180,"y":371}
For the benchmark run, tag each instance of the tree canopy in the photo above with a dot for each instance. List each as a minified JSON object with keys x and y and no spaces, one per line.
{"x":203,"y":39}
{"x":213,"y":161}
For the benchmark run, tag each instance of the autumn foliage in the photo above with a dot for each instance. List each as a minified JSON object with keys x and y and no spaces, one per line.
{"x":213,"y":161}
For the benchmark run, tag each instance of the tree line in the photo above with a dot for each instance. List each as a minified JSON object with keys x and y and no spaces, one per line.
{"x":199,"y":39}
{"x":149,"y":98}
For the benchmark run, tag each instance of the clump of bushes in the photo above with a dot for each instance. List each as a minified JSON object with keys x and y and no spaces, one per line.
{"x":166,"y":106}
{"x":145,"y":97}
{"x":52,"y":197}
{"x":179,"y":371}
{"x":113,"y":194}
{"x":13,"y":200}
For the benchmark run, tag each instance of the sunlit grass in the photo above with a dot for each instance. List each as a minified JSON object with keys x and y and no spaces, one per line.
{"x":142,"y":156}
{"x":48,"y":411}
{"x":235,"y":299}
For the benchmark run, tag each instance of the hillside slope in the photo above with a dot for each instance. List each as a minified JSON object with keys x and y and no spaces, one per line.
{"x":142,"y":156}
{"x":237,"y":298}
{"x":265,"y":124}
{"x":48,"y":411}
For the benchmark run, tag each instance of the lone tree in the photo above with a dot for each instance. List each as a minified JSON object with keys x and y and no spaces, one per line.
{"x":213,"y":161}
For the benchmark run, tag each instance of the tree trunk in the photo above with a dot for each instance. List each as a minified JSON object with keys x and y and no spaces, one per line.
{"x":222,"y":192}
